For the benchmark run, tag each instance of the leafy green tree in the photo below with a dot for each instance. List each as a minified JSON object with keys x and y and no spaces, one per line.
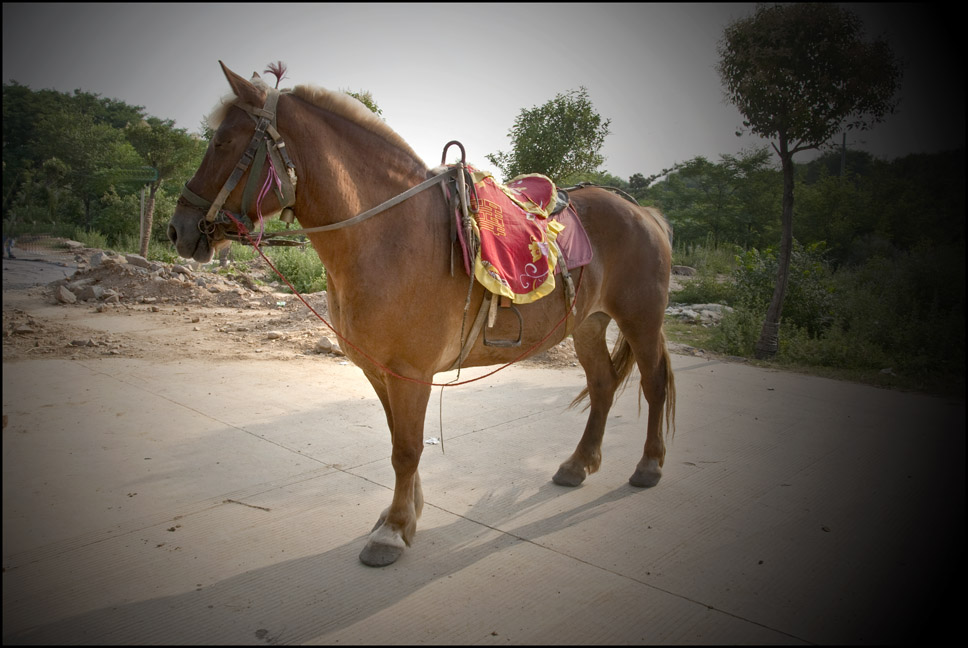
{"x":728,"y":201}
{"x":87,"y":148}
{"x":81,"y":130}
{"x":603,"y":178}
{"x":563,"y":137}
{"x":171,"y":151}
{"x":800,"y":74}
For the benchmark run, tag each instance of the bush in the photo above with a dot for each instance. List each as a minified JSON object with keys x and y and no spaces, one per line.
{"x":117,"y":217}
{"x":911,"y":306}
{"x":737,"y":333}
{"x":301,"y":266}
{"x":835,"y":348}
{"x":90,"y":238}
{"x":808,"y":302}
{"x":705,"y":290}
{"x":709,"y":258}
{"x":904,"y":314}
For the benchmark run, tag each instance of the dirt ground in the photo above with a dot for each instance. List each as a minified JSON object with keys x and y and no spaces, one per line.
{"x":147,"y":309}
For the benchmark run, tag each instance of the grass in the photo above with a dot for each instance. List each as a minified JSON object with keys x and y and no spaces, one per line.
{"x":709,"y":258}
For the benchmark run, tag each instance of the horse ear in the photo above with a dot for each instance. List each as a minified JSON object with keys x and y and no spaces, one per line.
{"x":243,"y":89}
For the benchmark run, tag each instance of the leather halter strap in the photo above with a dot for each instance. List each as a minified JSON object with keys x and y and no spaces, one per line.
{"x":265,"y":141}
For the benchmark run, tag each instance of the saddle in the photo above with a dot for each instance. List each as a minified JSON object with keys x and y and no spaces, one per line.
{"x":515,"y":239}
{"x":520,"y":235}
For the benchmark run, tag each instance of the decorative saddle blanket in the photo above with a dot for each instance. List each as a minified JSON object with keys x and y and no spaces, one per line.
{"x":521,"y":241}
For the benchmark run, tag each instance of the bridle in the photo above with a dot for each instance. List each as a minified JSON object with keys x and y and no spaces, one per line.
{"x":266,"y":142}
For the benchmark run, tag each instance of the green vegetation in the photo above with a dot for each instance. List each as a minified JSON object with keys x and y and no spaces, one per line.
{"x":892,"y":321}
{"x":80,"y":161}
{"x":300,"y":265}
{"x":876,"y":287}
{"x":559,"y":138}
{"x":801,"y":73}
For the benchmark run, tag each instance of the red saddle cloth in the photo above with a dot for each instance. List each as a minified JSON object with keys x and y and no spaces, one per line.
{"x":521,"y":245}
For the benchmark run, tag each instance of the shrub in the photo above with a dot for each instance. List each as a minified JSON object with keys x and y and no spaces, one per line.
{"x":737,"y":332}
{"x":709,"y":258}
{"x":808,"y":302}
{"x":912,"y":306}
{"x":90,"y":238}
{"x":301,"y":266}
{"x":704,"y":290}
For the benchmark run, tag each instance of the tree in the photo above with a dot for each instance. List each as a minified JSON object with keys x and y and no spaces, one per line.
{"x":725,"y":202}
{"x":81,"y":130}
{"x":800,"y":74}
{"x":561,"y":138}
{"x":87,"y":147}
{"x":171,"y":151}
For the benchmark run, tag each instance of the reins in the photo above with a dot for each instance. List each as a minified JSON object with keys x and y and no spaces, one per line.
{"x":382,"y":207}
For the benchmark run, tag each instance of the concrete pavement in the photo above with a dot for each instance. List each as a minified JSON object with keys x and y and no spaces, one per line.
{"x":189,"y":503}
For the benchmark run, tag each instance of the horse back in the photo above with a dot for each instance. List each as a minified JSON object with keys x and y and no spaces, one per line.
{"x":622,"y":232}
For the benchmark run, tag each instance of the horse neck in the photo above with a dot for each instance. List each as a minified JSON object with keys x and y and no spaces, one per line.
{"x":345,"y":169}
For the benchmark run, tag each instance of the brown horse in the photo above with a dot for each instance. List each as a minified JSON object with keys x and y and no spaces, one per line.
{"x":391,"y":292}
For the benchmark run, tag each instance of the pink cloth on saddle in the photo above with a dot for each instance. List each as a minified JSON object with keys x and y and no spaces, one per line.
{"x":518,"y":256}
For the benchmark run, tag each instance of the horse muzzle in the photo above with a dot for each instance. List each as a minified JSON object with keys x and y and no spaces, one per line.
{"x":188,"y":232}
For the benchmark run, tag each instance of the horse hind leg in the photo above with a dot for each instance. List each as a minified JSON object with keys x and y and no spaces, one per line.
{"x":603,"y":374}
{"x":658,"y":386}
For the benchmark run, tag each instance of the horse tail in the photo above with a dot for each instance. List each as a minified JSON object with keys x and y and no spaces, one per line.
{"x":670,"y":396}
{"x":623,"y":360}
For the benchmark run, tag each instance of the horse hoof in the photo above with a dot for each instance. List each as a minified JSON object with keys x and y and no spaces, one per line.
{"x":568,"y":476}
{"x":381,"y":554}
{"x":374,"y":555}
{"x":648,"y":476}
{"x":383,"y":547}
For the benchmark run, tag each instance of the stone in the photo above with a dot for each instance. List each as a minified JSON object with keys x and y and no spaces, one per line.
{"x":65,"y":296}
{"x":90,"y":292}
{"x":138,"y":260}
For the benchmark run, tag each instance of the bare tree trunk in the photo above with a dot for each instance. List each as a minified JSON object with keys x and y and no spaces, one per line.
{"x":769,"y":342}
{"x":149,"y":219}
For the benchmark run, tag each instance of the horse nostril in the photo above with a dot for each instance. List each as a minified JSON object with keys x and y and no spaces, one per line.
{"x":172,"y":234}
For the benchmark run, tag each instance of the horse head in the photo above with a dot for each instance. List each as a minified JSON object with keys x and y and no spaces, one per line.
{"x":245,"y":159}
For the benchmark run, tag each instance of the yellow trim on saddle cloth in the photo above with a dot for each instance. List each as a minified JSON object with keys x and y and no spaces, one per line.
{"x":547,"y":247}
{"x":544,"y":212}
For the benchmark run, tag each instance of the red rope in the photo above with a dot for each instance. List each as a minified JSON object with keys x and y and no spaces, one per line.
{"x":379,"y":365}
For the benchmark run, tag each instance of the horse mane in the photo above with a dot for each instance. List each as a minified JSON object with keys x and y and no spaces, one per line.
{"x":338,"y":103}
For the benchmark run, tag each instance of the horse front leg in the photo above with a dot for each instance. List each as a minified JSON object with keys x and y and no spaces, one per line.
{"x":406,"y":405}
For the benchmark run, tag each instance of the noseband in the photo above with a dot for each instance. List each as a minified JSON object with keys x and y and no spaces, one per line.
{"x":266,"y":142}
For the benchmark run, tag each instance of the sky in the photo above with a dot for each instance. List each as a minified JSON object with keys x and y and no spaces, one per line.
{"x":465,"y":71}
